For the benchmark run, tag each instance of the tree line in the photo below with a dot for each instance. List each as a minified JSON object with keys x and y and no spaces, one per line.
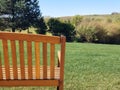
{"x":92,"y":28}
{"x":95,"y":28}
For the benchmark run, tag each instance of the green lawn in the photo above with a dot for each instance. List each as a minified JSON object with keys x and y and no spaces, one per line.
{"x":89,"y":67}
{"x":92,"y":67}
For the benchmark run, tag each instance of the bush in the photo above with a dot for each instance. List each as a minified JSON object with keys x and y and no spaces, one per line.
{"x":113,"y":33}
{"x":91,"y":32}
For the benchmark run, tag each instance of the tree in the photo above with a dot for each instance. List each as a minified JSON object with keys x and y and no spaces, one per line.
{"x":54,"y":26}
{"x":4,"y":9}
{"x":68,"y":31}
{"x":3,"y":24}
{"x":40,"y":24}
{"x":22,"y":13}
{"x":59,"y":28}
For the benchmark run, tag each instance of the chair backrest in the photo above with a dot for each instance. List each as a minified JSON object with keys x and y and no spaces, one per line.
{"x":18,"y":43}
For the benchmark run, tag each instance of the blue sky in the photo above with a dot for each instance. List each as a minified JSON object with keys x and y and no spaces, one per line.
{"x":57,"y":8}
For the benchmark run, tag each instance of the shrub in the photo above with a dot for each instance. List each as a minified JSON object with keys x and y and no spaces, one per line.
{"x":113,"y":33}
{"x":91,"y":32}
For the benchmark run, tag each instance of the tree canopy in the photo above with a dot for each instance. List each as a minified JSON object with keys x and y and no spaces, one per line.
{"x":60,"y":28}
{"x":21,"y":14}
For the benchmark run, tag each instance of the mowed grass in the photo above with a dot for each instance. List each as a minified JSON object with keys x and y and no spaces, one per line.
{"x":92,"y":67}
{"x":88,"y":67}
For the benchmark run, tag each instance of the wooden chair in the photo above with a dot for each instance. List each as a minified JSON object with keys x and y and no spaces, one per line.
{"x":17,"y":73}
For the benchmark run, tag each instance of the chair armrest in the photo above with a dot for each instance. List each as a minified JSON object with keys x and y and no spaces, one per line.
{"x":59,"y":57}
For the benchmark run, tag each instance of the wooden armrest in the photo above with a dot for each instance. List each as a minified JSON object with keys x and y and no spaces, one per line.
{"x":59,"y":58}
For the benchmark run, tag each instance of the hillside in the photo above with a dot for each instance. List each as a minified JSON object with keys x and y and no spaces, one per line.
{"x":94,"y":28}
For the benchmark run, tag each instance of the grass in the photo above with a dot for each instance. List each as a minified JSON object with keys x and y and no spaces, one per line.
{"x":89,"y":67}
{"x":92,"y":67}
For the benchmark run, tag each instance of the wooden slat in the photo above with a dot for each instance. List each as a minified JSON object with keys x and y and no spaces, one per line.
{"x":45,"y":60}
{"x":14,"y":59}
{"x":63,"y":40}
{"x":29,"y":83}
{"x":1,"y":74}
{"x":29,"y":51}
{"x":29,"y":37}
{"x":52,"y":60}
{"x":22,"y":64}
{"x":62,"y":54}
{"x":37,"y":58}
{"x":6,"y":60}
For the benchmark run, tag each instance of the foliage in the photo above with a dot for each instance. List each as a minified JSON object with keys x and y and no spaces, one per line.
{"x":4,"y":9}
{"x":60,"y":28}
{"x":3,"y":24}
{"x":88,"y":28}
{"x":96,"y":28}
{"x":86,"y":33}
{"x":76,"y":20}
{"x":113,"y":33}
{"x":22,"y":13}
{"x":41,"y":26}
{"x":54,"y":26}
{"x":91,"y":32}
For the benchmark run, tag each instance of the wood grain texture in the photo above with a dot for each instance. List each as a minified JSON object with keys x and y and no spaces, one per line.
{"x":45,"y":60}
{"x":6,"y":58}
{"x":30,"y":37}
{"x":52,"y":60}
{"x":1,"y":74}
{"x":22,"y":63}
{"x":37,"y":59}
{"x":29,"y":55}
{"x":8,"y":83}
{"x":14,"y":59}
{"x":63,"y":40}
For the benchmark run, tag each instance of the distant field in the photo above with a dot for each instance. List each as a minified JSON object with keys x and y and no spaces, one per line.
{"x":89,"y":67}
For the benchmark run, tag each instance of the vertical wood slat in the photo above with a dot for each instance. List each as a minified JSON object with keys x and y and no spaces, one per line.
{"x":22,"y":63}
{"x":14,"y":60}
{"x":63,"y":39}
{"x":29,"y":54}
{"x":52,"y":60}
{"x":62,"y":54}
{"x":1,"y":74}
{"x":37,"y":59}
{"x":44,"y":60}
{"x":6,"y":60}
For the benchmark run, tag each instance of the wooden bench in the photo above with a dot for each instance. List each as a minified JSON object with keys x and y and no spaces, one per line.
{"x":19,"y":66}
